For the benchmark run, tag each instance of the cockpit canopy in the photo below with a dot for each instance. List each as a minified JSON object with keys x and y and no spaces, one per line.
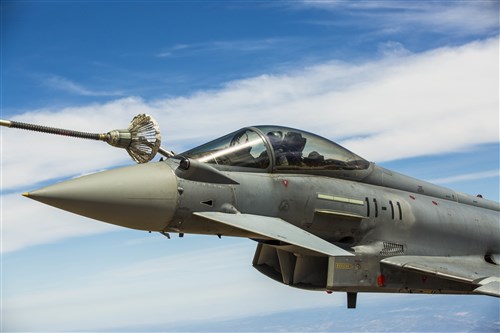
{"x":277,"y":149}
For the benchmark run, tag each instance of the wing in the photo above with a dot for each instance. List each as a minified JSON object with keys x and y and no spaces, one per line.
{"x":470,"y":270}
{"x":277,"y":229}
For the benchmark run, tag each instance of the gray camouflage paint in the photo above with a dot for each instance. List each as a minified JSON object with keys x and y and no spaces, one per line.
{"x":402,"y":234}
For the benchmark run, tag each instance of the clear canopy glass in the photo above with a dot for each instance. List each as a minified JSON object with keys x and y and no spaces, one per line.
{"x":277,"y":148}
{"x":243,"y":148}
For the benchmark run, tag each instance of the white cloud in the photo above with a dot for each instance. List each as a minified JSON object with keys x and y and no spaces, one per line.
{"x":124,"y":296}
{"x":456,"y":18}
{"x":63,"y":84}
{"x":233,"y":46}
{"x":466,"y":177}
{"x":210,"y":284}
{"x":462,"y":17}
{"x":392,"y":48}
{"x":28,"y":223}
{"x":431,"y":103}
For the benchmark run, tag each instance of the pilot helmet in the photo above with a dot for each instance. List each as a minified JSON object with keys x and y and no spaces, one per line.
{"x":275,"y":137}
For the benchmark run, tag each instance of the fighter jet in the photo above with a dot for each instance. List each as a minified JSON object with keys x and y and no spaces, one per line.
{"x":322,"y":217}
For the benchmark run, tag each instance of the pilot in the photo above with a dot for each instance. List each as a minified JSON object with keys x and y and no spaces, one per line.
{"x":276,"y":140}
{"x":293,"y":144}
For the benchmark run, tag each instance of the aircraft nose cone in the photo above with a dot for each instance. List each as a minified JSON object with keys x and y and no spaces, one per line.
{"x":141,"y":197}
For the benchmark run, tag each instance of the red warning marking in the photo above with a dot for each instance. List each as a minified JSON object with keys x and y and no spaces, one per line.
{"x":285,"y":182}
{"x":381,"y":280}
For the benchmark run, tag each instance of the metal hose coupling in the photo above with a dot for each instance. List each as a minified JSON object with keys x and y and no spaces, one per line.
{"x":141,"y":139}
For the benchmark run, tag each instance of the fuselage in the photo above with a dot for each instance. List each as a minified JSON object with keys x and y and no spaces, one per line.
{"x":277,"y":177}
{"x":352,"y":214}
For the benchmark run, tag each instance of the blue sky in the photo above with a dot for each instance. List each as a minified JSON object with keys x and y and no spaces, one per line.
{"x":413,"y":86}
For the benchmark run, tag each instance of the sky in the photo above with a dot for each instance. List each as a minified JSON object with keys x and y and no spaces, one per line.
{"x":410,"y":85}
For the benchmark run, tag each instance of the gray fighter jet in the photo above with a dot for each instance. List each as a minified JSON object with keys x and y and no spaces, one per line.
{"x":322,"y":217}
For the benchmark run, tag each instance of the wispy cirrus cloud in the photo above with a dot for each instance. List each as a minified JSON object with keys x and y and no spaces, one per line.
{"x":66,"y":85}
{"x":392,"y":48}
{"x":467,"y":177}
{"x":462,"y":18}
{"x":234,"y":46}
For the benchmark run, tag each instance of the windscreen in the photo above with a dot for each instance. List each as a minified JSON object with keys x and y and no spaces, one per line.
{"x":243,"y":148}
